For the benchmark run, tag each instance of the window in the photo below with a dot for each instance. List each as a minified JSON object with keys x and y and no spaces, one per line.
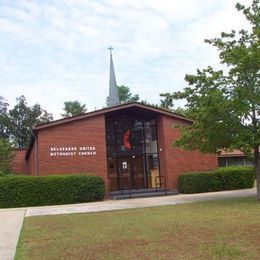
{"x":132,"y":151}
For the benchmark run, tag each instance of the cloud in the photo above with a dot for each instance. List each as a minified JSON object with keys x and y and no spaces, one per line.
{"x":57,"y":51}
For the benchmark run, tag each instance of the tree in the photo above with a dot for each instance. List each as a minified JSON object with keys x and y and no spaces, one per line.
{"x":167,"y":104}
{"x":6,"y":156}
{"x":125,"y":96}
{"x":21,"y":119}
{"x":73,"y":108}
{"x":166,"y":101}
{"x":183,"y":111}
{"x":145,"y":102}
{"x":225,"y":105}
{"x":3,"y":117}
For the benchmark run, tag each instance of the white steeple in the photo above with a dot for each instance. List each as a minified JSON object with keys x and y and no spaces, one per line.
{"x":113,"y":98}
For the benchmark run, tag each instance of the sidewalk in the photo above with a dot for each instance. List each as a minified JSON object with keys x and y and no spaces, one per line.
{"x":11,"y":219}
{"x":109,"y":205}
{"x":10,"y":226}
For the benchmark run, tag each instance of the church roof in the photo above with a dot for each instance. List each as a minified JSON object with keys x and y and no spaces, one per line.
{"x":109,"y":110}
{"x":104,"y":111}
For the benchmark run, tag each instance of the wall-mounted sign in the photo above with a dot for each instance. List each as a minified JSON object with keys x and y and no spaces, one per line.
{"x":124,"y":165}
{"x":72,"y":151}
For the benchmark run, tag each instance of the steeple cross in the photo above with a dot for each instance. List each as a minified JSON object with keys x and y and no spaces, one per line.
{"x":110,"y":49}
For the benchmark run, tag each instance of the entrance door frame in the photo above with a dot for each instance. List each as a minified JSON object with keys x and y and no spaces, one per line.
{"x":131,"y":163}
{"x":116,"y":155}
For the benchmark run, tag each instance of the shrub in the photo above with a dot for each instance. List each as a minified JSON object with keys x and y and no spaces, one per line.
{"x":7,"y":174}
{"x":226,"y":178}
{"x":24,"y":191}
{"x":6,"y":156}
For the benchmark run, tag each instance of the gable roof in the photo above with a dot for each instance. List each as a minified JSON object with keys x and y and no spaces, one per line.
{"x":100,"y":112}
{"x":111,"y":109}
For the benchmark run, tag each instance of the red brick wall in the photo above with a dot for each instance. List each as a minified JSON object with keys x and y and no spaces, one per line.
{"x":90,"y":132}
{"x":83,"y":133}
{"x":19,"y":164}
{"x":175,"y":161}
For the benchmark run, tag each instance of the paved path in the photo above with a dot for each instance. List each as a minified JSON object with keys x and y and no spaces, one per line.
{"x":11,"y":219}
{"x":135,"y":203}
{"x":10,"y":226}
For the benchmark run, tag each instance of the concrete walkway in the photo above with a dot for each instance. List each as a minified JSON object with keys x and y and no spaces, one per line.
{"x":11,"y":219}
{"x":11,"y":222}
{"x":109,"y":205}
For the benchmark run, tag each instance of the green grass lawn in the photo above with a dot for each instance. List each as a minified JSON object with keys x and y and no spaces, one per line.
{"x":208,"y":230}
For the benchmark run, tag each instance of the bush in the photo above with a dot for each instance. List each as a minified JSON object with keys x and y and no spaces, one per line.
{"x":6,"y":156}
{"x":226,"y":178}
{"x":7,"y":174}
{"x":25,"y":191}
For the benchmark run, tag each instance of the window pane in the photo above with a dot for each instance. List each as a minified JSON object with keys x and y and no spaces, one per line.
{"x":222,"y":162}
{"x":235,"y":161}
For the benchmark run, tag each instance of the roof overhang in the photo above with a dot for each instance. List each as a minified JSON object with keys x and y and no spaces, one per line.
{"x":103,"y":111}
{"x":109,"y":110}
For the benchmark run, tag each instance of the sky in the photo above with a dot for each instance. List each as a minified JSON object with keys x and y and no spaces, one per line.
{"x":57,"y":51}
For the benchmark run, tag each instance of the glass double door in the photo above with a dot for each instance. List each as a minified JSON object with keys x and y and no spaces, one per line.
{"x":131,"y":172}
{"x":132,"y":151}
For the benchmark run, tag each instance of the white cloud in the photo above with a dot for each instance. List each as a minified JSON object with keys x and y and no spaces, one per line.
{"x":57,"y":51}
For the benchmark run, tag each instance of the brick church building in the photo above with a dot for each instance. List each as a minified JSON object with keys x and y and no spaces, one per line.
{"x":128,"y":145}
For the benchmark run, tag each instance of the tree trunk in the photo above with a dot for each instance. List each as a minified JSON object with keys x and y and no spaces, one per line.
{"x":257,"y":171}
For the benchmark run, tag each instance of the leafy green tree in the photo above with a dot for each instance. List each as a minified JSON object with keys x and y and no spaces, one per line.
{"x":3,"y":118}
{"x":145,"y":102}
{"x":6,"y":156}
{"x":166,"y":101}
{"x":225,"y":105}
{"x":125,"y":96}
{"x":183,"y":111}
{"x":73,"y":108}
{"x":21,"y":119}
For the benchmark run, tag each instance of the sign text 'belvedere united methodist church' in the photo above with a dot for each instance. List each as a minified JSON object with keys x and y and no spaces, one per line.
{"x":72,"y":151}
